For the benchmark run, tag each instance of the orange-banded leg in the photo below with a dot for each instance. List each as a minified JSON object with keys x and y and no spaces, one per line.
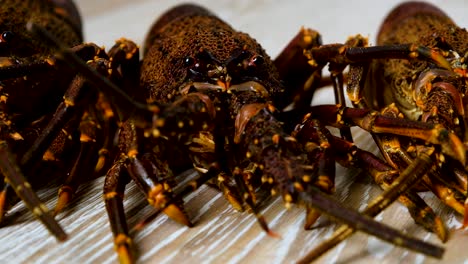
{"x":84,"y":164}
{"x":75,"y":94}
{"x":431,"y":179}
{"x":7,"y":197}
{"x":396,"y":155}
{"x":114,"y":188}
{"x":202,"y":153}
{"x":393,"y":151}
{"x":108,"y":126}
{"x":435,"y":134}
{"x":283,"y":160}
{"x":15,"y":178}
{"x":230,"y":191}
{"x":420,"y":211}
{"x":356,"y":53}
{"x":54,"y":161}
{"x":243,"y":178}
{"x":375,"y":122}
{"x":400,"y":160}
{"x":430,"y":97}
{"x":300,"y":77}
{"x":153,"y":177}
{"x":395,"y":188}
{"x":65,"y":111}
{"x":350,"y":156}
{"x":157,"y":180}
{"x":316,"y":141}
{"x":186,"y":186}
{"x":345,"y":54}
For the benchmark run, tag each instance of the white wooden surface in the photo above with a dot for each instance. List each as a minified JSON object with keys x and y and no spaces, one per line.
{"x":222,"y":235}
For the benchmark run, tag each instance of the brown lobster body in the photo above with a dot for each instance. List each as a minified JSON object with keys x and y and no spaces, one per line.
{"x":209,"y":97}
{"x":49,"y":119}
{"x":426,"y":83}
{"x":422,"y":90}
{"x":215,"y":95}
{"x":417,"y":87}
{"x":188,"y":36}
{"x":32,"y":98}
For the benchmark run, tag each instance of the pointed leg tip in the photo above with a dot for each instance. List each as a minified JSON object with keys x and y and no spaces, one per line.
{"x":177,"y":214}
{"x":312,"y":216}
{"x":125,"y":256}
{"x":2,"y":205}
{"x":60,"y":206}
{"x":64,"y":198}
{"x":465,"y":217}
{"x":440,"y":230}
{"x":273,"y":234}
{"x":62,"y":237}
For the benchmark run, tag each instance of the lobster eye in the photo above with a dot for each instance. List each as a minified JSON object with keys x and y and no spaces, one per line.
{"x":257,"y":60}
{"x":189,"y":61}
{"x":6,"y":36}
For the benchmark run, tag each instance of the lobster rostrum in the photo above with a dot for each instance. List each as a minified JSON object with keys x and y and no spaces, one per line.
{"x":214,"y":100}
{"x":427,"y":86}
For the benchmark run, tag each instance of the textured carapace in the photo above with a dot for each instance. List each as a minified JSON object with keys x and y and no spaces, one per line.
{"x":204,"y":42}
{"x":426,"y":25}
{"x":18,"y":46}
{"x":59,"y":17}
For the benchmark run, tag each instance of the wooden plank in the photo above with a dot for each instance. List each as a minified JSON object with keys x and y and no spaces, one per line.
{"x":221,"y":234}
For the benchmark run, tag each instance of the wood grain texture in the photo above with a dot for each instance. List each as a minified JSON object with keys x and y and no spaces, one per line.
{"x":221,"y":234}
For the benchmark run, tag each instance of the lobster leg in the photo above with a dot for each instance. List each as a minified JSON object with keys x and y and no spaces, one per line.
{"x":23,"y":189}
{"x":350,"y":156}
{"x":375,"y":122}
{"x":249,"y":197}
{"x":186,"y":187}
{"x":345,"y":54}
{"x":394,"y":153}
{"x":144,"y":173}
{"x":114,"y":188}
{"x":84,"y":163}
{"x":316,"y":140}
{"x":300,"y":77}
{"x":264,"y":143}
{"x":408,"y":177}
{"x":108,"y":127}
{"x":88,"y":128}
{"x":74,"y":94}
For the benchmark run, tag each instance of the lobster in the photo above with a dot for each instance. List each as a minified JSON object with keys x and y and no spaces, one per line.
{"x":53,"y":130}
{"x":220,"y":108}
{"x":215,"y":101}
{"x":428,"y":91}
